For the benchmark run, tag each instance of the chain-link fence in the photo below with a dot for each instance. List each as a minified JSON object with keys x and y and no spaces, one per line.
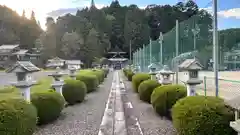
{"x":195,"y":39}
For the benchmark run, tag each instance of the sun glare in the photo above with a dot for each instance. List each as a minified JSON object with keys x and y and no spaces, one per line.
{"x":40,"y":7}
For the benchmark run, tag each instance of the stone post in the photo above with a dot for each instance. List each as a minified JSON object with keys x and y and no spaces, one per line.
{"x":192,"y":81}
{"x":164,"y":75}
{"x":58,"y":83}
{"x":191,"y":67}
{"x":152,"y":71}
{"x":72,"y":73}
{"x":24,"y":85}
{"x":22,"y":69}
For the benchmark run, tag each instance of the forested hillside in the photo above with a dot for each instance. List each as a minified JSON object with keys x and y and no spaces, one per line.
{"x":18,"y":29}
{"x":91,"y":32}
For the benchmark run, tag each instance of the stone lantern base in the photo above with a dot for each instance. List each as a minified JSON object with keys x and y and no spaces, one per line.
{"x":191,"y":86}
{"x":236,"y":126}
{"x":25,"y":87}
{"x":153,"y":75}
{"x":73,"y":77}
{"x":165,"y":81}
{"x":57,"y":85}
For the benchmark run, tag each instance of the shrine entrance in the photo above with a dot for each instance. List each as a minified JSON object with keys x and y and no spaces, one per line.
{"x":117,"y":59}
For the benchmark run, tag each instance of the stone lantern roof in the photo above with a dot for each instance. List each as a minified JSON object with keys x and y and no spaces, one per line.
{"x":191,"y":64}
{"x":165,"y":70}
{"x":23,"y":66}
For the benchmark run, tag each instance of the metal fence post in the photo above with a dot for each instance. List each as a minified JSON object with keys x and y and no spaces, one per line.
{"x":205,"y":85}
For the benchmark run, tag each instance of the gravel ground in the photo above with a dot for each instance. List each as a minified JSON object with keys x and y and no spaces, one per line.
{"x":150,"y":122}
{"x":81,"y":119}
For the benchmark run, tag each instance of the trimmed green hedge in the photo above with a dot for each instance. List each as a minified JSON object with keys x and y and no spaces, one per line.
{"x":130,"y":74}
{"x":49,"y":105}
{"x":146,"y":88}
{"x":106,"y":71}
{"x":91,"y":81}
{"x":137,"y":79}
{"x":74,"y":91}
{"x":164,"y":97}
{"x":200,"y":115}
{"x":99,"y":74}
{"x":125,"y":71}
{"x":17,"y":117}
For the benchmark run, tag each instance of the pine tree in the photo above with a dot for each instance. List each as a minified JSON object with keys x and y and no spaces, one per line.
{"x":33,"y":18}
{"x":23,"y":14}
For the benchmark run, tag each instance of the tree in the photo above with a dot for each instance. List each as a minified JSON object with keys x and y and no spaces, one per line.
{"x":103,"y":29}
{"x":48,"y":39}
{"x":32,"y":18}
{"x":72,"y":43}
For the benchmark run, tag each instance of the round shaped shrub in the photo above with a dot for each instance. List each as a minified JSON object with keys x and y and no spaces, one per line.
{"x":106,"y":71}
{"x":99,"y":74}
{"x":164,"y":97}
{"x":18,"y":117}
{"x":49,"y":105}
{"x":129,"y":75}
{"x":74,"y":91}
{"x":137,"y":79}
{"x":146,"y":88}
{"x":91,"y":81}
{"x":125,"y":71}
{"x":199,"y":115}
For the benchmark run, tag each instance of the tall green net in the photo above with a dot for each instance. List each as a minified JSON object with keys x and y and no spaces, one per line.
{"x":195,"y":40}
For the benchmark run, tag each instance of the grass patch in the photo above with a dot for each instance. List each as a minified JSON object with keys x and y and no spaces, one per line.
{"x":43,"y":84}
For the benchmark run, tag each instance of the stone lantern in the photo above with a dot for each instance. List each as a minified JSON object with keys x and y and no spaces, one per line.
{"x":152,"y":70}
{"x":235,"y":104}
{"x":22,"y":69}
{"x":165,"y":75}
{"x":58,"y":83}
{"x":191,"y":68}
{"x":95,"y":68}
{"x":139,"y":68}
{"x":136,"y":69}
{"x":132,"y":67}
{"x":72,"y":71}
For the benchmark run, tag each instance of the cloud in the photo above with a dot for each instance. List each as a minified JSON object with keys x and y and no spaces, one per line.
{"x":142,"y":7}
{"x":63,"y":11}
{"x":208,"y":9}
{"x":234,"y":12}
{"x":229,"y":13}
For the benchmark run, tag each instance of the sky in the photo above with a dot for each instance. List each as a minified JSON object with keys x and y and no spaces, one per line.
{"x":228,"y":10}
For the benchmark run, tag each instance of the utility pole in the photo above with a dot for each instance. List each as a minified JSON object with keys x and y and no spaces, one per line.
{"x":130,"y":52}
{"x":215,"y":45}
{"x":150,"y":50}
{"x":161,"y":47}
{"x":177,"y":44}
{"x":144,"y":58}
{"x":195,"y":31}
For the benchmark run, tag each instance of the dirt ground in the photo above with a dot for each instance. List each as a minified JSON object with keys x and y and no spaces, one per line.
{"x":229,"y":84}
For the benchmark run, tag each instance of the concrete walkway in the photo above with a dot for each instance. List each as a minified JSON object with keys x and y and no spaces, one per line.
{"x":113,"y":121}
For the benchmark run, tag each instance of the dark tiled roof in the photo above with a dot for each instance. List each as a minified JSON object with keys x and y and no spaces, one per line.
{"x":26,"y":65}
